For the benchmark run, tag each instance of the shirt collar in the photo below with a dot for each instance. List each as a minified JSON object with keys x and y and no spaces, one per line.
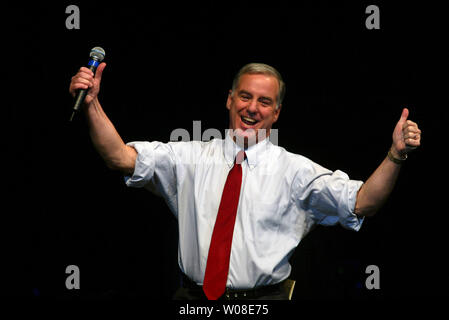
{"x":254,"y":154}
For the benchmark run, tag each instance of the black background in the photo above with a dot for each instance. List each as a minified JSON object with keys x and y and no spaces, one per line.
{"x":171,"y":64}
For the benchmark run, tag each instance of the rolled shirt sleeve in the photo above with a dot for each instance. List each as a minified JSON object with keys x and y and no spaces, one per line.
{"x":144,"y":165}
{"x":345,"y":192}
{"x":329,"y":197}
{"x":155,"y":170}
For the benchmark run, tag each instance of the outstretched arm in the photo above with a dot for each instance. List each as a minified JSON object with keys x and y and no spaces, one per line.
{"x":375,"y":191}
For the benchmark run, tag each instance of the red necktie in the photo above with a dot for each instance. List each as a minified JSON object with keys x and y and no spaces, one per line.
{"x":217,"y":266}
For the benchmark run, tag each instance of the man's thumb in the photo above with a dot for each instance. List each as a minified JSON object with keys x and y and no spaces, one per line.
{"x":100,"y":69}
{"x":404,"y":115}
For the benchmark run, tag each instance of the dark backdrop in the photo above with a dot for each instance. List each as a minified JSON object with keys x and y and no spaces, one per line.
{"x":169,"y":65}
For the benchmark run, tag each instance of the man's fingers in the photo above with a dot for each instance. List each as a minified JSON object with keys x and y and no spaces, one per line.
{"x":84,"y":75}
{"x":412,"y":135}
{"x":81,"y":81}
{"x":80,"y":85}
{"x":404,"y":115}
{"x":409,"y":123}
{"x":76,"y":86}
{"x":411,"y":129}
{"x":88,"y":81}
{"x":100,"y":69}
{"x":412,"y":142}
{"x":85,"y":79}
{"x":86,"y":70}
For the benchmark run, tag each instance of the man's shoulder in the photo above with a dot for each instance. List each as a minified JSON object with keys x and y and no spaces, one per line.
{"x":196,"y":144}
{"x":196,"y":149}
{"x":289,"y":155}
{"x":296,"y":161}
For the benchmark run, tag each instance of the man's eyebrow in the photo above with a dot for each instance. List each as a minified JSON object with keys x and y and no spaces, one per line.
{"x":262,"y":98}
{"x":244,"y":92}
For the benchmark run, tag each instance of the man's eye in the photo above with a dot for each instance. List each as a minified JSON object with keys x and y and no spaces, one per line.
{"x":245,"y":98}
{"x":266,"y":102}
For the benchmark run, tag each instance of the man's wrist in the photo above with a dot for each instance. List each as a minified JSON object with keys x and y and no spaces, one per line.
{"x":396,"y":156}
{"x":87,"y":106}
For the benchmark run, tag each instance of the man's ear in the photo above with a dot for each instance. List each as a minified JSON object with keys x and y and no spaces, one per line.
{"x":229,"y":100}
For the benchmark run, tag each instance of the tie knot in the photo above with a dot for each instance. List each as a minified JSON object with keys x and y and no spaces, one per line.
{"x":240,"y":157}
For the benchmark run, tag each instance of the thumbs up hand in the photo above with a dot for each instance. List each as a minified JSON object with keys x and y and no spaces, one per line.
{"x":406,"y":136}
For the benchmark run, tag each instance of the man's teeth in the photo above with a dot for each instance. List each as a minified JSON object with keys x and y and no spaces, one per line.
{"x":252,"y":121}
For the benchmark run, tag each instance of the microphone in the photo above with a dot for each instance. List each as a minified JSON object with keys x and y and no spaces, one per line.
{"x":96,"y":56}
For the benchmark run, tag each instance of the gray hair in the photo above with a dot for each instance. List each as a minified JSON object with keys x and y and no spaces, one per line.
{"x":261,"y":68}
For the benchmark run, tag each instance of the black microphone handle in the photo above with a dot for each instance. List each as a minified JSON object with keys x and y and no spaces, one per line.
{"x":81,"y":95}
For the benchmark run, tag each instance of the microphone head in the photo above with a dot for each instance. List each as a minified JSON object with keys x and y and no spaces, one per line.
{"x":97,"y":53}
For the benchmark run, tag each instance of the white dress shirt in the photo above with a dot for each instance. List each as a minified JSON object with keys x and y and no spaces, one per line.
{"x":283,"y":195}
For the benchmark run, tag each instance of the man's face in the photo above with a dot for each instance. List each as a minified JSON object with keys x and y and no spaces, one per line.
{"x":252,"y":106}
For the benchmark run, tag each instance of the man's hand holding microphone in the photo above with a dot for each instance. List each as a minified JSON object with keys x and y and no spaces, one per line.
{"x":85,"y":79}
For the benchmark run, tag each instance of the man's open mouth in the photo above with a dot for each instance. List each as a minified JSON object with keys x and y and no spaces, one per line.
{"x":248,"y":121}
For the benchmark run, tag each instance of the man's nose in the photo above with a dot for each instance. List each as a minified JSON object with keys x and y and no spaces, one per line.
{"x":252,"y":107}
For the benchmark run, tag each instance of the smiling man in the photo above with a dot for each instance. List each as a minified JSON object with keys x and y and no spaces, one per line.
{"x":254,"y":102}
{"x":243,"y":204}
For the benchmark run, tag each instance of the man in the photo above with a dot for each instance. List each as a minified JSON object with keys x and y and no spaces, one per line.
{"x":242,"y":203}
